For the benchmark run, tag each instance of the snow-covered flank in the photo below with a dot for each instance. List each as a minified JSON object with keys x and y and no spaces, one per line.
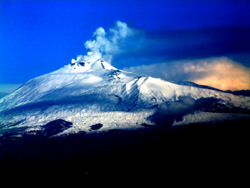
{"x":89,"y":93}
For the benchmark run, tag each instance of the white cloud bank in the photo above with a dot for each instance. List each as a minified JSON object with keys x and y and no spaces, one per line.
{"x":221,"y":73}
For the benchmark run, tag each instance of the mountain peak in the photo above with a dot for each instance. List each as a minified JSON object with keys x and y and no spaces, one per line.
{"x":84,"y":66}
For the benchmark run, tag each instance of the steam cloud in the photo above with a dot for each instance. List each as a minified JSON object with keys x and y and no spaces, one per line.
{"x":146,"y":53}
{"x":106,"y":44}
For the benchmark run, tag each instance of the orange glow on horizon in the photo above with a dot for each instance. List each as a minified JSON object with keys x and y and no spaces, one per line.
{"x":224,"y":75}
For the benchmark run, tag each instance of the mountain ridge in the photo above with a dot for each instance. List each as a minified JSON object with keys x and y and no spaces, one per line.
{"x":91,"y":93}
{"x":236,"y":92}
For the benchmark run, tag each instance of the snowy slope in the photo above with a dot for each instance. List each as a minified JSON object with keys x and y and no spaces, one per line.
{"x":86,"y":94}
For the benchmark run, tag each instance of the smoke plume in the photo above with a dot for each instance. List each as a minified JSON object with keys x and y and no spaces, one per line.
{"x":106,"y":44}
{"x":195,"y":54}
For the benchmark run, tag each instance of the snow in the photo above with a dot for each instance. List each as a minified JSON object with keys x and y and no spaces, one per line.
{"x":88,"y":93}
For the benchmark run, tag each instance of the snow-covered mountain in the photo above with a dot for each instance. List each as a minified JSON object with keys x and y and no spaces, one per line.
{"x":95,"y":96}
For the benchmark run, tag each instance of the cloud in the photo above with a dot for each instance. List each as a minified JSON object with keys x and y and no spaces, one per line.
{"x":143,"y":51}
{"x":222,"y":73}
{"x":168,"y":45}
{"x":167,"y":113}
{"x":170,"y":112}
{"x":125,"y":46}
{"x":106,"y":44}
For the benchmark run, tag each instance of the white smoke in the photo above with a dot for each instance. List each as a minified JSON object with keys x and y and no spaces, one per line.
{"x":105,"y":44}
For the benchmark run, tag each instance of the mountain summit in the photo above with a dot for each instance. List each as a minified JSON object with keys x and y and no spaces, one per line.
{"x":81,"y":66}
{"x":95,"y":96}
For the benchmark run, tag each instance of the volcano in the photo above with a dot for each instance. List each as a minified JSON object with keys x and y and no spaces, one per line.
{"x":90,"y":119}
{"x":95,"y":96}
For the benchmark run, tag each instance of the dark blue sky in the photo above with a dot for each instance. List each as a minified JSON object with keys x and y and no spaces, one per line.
{"x":40,"y":36}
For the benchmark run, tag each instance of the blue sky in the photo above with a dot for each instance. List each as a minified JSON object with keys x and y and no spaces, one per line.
{"x":37,"y":37}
